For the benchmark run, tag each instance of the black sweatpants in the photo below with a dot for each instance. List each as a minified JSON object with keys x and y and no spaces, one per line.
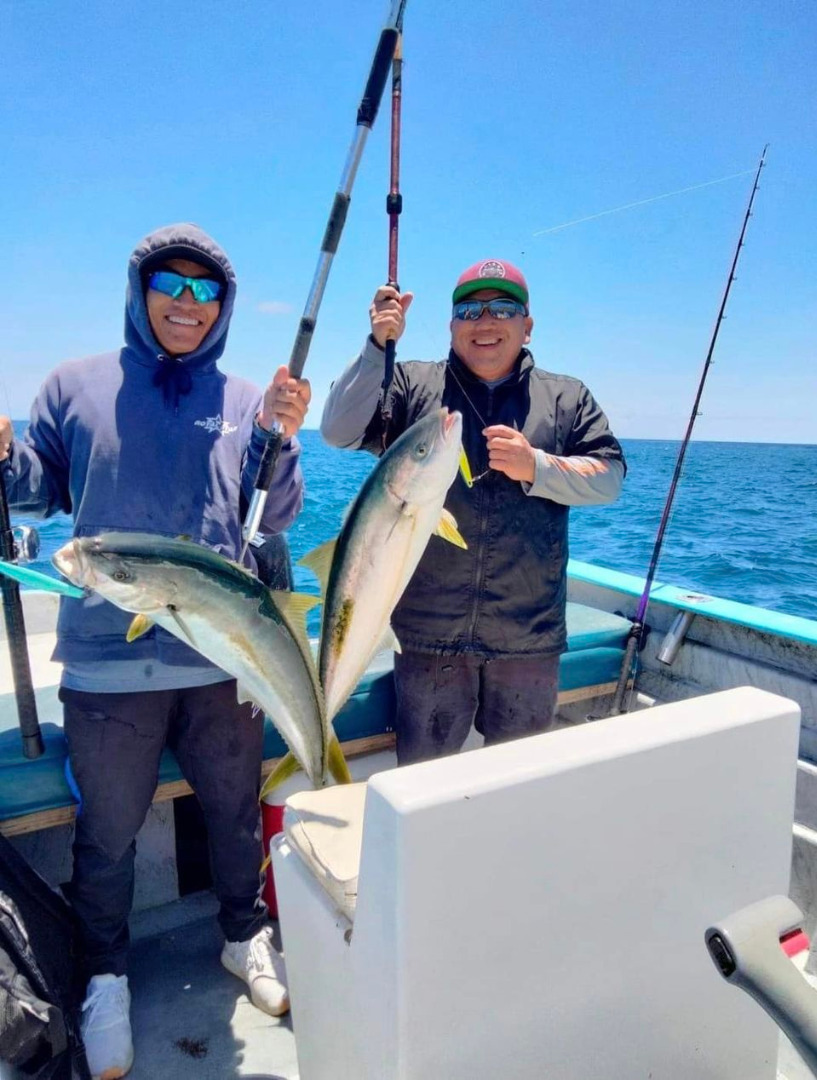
{"x":114,"y":745}
{"x":439,"y":697}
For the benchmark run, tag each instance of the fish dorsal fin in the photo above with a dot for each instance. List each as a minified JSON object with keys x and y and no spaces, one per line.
{"x":447,"y":529}
{"x":319,"y":561}
{"x":465,"y":469}
{"x":338,"y":768}
{"x":286,"y":767}
{"x":140,"y":624}
{"x":295,"y":606}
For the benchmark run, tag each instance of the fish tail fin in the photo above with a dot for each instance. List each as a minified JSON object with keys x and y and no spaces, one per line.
{"x":338,"y":768}
{"x":286,"y":767}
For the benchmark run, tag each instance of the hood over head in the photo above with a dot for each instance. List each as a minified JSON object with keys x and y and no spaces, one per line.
{"x":181,"y":241}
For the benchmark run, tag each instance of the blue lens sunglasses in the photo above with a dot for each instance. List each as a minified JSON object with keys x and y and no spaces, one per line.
{"x":499,"y":308}
{"x":204,"y":289}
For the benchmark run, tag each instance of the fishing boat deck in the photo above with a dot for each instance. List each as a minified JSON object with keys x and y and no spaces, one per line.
{"x":191,"y":1018}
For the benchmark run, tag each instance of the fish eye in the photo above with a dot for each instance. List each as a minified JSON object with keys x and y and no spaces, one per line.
{"x":121,"y":575}
{"x":422,"y":450}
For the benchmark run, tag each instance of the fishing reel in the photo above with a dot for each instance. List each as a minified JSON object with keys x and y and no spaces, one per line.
{"x":26,"y":543}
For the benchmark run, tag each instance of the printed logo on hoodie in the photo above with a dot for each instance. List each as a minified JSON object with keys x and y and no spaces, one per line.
{"x":215,"y":423}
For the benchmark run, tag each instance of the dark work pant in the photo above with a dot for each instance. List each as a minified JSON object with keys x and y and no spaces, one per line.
{"x":439,"y":697}
{"x":114,"y":745}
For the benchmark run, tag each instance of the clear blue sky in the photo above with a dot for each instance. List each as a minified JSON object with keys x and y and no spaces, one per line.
{"x":518,"y":117}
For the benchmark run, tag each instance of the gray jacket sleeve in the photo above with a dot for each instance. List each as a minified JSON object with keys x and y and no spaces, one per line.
{"x":591,"y":471}
{"x":353,"y":399}
{"x":576,"y":481}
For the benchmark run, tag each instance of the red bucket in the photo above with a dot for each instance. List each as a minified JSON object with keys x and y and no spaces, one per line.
{"x":272,"y":822}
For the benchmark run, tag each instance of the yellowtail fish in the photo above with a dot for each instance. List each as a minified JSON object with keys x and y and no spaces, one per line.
{"x":364,"y":572}
{"x":216,"y":606}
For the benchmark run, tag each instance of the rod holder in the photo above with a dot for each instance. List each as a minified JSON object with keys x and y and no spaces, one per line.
{"x":674,"y":638}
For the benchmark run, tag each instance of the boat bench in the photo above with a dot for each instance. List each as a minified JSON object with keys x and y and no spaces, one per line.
{"x":538,"y":908}
{"x":34,"y":794}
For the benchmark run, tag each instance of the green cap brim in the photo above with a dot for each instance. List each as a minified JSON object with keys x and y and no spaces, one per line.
{"x":500,"y":284}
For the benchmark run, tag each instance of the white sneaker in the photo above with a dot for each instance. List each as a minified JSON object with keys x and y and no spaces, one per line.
{"x":106,"y":1027}
{"x":261,"y":966}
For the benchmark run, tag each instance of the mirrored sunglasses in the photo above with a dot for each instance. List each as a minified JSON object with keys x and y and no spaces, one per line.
{"x":172,"y":284}
{"x":499,"y":308}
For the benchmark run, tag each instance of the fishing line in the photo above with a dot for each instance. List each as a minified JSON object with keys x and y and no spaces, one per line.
{"x":641,"y":202}
{"x":636,"y":635}
{"x":366,"y":115}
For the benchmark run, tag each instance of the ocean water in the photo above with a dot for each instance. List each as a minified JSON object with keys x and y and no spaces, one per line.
{"x":743,"y":527}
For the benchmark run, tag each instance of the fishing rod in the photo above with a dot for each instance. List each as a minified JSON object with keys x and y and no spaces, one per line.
{"x":16,"y":634}
{"x":394,"y":207}
{"x":637,"y":629}
{"x":366,"y":114}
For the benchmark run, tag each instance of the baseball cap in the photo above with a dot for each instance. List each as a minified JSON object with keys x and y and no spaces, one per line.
{"x":492,"y":274}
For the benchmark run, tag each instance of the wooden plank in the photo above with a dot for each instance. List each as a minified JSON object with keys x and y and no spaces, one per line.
{"x":583,"y":693}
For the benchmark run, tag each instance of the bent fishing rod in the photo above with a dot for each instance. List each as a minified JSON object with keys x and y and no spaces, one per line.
{"x":394,"y":208}
{"x":16,"y":633}
{"x":366,"y":115}
{"x":637,"y":629}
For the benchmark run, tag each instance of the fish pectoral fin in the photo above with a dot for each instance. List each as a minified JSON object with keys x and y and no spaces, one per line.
{"x":389,"y":641}
{"x":140,"y":624}
{"x":448,"y":530}
{"x":244,"y":696}
{"x":286,"y":767}
{"x":465,"y":469}
{"x":319,"y":561}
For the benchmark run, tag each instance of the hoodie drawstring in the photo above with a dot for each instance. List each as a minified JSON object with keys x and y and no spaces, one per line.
{"x":174,"y":378}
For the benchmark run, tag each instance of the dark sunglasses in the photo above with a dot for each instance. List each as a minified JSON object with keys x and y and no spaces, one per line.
{"x":499,"y":308}
{"x":172,"y":284}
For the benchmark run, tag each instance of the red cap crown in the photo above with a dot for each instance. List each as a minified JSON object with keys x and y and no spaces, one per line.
{"x":492,"y":274}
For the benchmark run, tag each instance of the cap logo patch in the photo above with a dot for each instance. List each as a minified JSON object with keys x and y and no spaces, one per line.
{"x":492,"y":269}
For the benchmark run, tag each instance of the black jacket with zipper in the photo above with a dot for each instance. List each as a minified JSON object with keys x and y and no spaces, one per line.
{"x":506,"y":594}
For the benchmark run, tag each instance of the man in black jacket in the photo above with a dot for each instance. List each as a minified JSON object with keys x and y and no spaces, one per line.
{"x":481,"y":630}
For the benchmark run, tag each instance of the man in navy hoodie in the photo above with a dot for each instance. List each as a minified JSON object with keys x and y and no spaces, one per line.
{"x":156,"y":438}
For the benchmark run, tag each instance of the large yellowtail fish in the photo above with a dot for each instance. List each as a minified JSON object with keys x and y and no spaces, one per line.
{"x":364,"y":572}
{"x":225,"y":613}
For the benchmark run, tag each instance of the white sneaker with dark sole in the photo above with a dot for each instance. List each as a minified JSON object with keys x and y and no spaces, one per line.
{"x":105,"y":1027}
{"x":261,"y":967}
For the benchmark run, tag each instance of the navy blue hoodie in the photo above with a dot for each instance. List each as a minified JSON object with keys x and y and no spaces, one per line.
{"x":121,"y":448}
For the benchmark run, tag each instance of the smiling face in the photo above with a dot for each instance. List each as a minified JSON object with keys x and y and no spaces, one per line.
{"x":181,"y":325}
{"x":489,"y":347}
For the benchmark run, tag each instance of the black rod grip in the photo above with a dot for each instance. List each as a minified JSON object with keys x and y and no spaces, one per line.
{"x":300,"y":349}
{"x":269,"y":459}
{"x":388,"y":366}
{"x":334,"y":226}
{"x":18,"y":646}
{"x":381,"y":64}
